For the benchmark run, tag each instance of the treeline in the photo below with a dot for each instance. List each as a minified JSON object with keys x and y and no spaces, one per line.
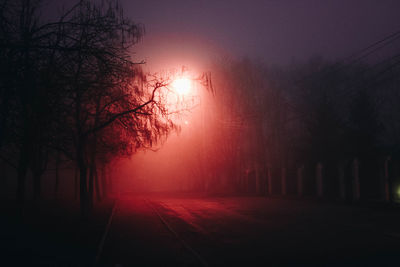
{"x":71,"y":94}
{"x":272,"y":119}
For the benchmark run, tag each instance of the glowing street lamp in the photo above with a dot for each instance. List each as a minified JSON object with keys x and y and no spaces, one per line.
{"x":182,"y":86}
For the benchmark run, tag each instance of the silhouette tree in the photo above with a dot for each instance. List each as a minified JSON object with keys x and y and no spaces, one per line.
{"x":67,"y":81}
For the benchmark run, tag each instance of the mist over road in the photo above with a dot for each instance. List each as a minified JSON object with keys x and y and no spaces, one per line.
{"x":197,"y":231}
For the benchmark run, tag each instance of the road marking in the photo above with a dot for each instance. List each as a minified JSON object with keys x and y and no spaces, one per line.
{"x":103,"y":238}
{"x":186,"y":245}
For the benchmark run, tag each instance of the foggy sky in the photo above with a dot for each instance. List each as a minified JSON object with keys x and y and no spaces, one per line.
{"x":190,"y":32}
{"x":272,"y":30}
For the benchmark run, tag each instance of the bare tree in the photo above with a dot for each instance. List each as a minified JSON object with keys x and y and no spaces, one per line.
{"x":71,"y":80}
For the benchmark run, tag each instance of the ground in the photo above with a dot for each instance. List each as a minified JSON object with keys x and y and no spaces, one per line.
{"x":51,"y":233}
{"x":249,"y":231}
{"x":194,"y":230}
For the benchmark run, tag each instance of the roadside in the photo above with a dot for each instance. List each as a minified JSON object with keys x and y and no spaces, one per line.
{"x":51,"y":235}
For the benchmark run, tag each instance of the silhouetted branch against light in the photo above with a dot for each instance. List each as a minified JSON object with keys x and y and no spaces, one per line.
{"x":136,"y":110}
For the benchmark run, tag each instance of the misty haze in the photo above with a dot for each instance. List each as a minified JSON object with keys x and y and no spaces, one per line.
{"x":199,"y":133}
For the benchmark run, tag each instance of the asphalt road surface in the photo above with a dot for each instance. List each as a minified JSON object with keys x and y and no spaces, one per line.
{"x":249,"y":231}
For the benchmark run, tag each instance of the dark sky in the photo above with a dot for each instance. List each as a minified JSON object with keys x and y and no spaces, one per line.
{"x":271,"y":30}
{"x":189,"y":31}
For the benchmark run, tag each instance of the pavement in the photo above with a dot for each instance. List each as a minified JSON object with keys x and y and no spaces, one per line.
{"x":190,"y":230}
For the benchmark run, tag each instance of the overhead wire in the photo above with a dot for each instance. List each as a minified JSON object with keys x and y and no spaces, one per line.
{"x":358,"y":55}
{"x":351,"y":60}
{"x":354,"y":58}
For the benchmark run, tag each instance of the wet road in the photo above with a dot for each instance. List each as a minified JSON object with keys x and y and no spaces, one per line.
{"x":244,"y":231}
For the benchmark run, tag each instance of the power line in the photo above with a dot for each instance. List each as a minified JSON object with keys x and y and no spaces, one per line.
{"x":395,"y":35}
{"x":358,"y":56}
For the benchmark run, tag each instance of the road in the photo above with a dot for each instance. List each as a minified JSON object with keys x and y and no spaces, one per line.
{"x":249,"y":231}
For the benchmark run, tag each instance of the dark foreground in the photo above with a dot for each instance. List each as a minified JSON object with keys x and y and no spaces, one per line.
{"x":52,"y":234}
{"x":250,"y":231}
{"x":157,"y":230}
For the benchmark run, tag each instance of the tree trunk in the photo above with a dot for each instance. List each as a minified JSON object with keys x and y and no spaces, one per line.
{"x":96,"y":182}
{"x":3,"y":177}
{"x":4,"y":113}
{"x":103,"y":181}
{"x":387,"y":181}
{"x":91,"y":182}
{"x":110,"y":186}
{"x":21,"y":175}
{"x":76,"y":184}
{"x":84,"y":201}
{"x":92,"y":170}
{"x":356,"y":180}
{"x":37,"y":186}
{"x":83,"y":192}
{"x":319,"y":180}
{"x":57,"y":182}
{"x":342,"y":182}
{"x":300,"y":181}
{"x":283,"y":181}
{"x":269,"y":180}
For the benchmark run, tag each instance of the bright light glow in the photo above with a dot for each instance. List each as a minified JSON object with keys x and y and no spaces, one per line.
{"x":182,"y":86}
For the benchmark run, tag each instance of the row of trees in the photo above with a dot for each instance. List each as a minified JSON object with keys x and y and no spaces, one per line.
{"x":70,"y":91}
{"x":272,"y":118}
